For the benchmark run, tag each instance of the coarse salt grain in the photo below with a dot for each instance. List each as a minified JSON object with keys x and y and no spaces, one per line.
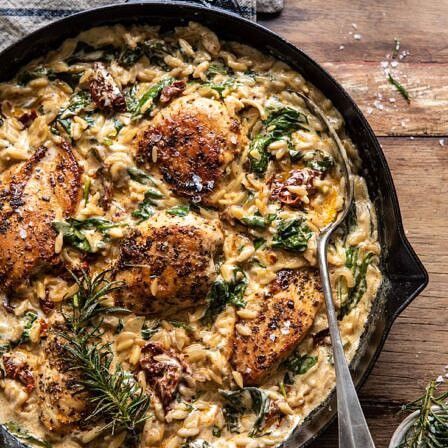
{"x":341,"y":47}
{"x":22,"y":233}
{"x":442,"y":142}
{"x":440,"y":379}
{"x":357,"y":36}
{"x":394,"y":64}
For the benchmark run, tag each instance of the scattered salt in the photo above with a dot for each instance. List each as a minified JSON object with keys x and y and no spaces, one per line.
{"x":355,"y":26}
{"x":384,"y":64}
{"x":440,"y":379}
{"x":392,"y":100}
{"x":22,"y":233}
{"x":442,"y":142}
{"x":357,"y":36}
{"x":394,"y":64}
{"x":378,"y":105}
{"x":341,"y":47}
{"x":411,"y":138}
{"x":369,"y":110}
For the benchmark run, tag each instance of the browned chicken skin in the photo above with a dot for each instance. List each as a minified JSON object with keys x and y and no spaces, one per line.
{"x":61,"y":404}
{"x":167,"y":264}
{"x":191,"y":141}
{"x":44,"y":188}
{"x":285,"y":318}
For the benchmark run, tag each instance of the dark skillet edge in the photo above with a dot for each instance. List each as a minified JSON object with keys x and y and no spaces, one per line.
{"x":405,"y":276}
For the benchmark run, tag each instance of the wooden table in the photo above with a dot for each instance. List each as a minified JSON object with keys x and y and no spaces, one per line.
{"x":351,"y":38}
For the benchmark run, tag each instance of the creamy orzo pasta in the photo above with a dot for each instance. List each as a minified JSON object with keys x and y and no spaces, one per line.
{"x":160,"y":197}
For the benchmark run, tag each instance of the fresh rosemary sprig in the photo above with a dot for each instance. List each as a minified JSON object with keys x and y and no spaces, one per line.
{"x":88,"y":302}
{"x":117,"y":398}
{"x":430,"y":428}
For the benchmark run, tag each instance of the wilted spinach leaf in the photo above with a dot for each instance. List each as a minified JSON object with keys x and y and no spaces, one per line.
{"x":298,"y":364}
{"x":248,"y":399}
{"x":350,"y":297}
{"x":281,"y":123}
{"x":292,"y":235}
{"x":222,"y":293}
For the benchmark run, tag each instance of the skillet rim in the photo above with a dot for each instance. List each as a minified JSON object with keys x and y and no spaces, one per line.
{"x":393,"y":305}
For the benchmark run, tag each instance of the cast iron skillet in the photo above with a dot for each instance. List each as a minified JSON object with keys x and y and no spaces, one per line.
{"x":405,"y":276}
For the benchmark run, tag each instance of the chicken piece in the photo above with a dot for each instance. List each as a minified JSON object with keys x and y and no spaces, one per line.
{"x":105,"y":91}
{"x":285,"y":317}
{"x":164,"y":370}
{"x":44,"y":188}
{"x":191,"y":141}
{"x":61,"y":404}
{"x":167,"y":263}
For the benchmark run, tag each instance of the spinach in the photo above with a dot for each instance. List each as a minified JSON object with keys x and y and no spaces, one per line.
{"x":179,"y":210}
{"x":24,"y":77}
{"x":140,"y":176}
{"x":180,"y":324}
{"x":350,"y":297}
{"x":129,"y":56}
{"x":156,"y":50}
{"x":149,"y":329}
{"x":298,"y":364}
{"x":23,"y":434}
{"x":281,"y":123}
{"x":146,"y":208}
{"x":80,"y":101}
{"x":257,"y":221}
{"x":292,"y":235}
{"x":72,"y":231}
{"x":148,"y":100}
{"x":29,"y":319}
{"x":218,"y":68}
{"x":86,"y":191}
{"x":227,"y":84}
{"x":318,"y":161}
{"x":238,"y":403}
{"x":222,"y":293}
{"x":118,"y":125}
{"x":259,"y":242}
{"x":4,"y":347}
{"x":73,"y":236}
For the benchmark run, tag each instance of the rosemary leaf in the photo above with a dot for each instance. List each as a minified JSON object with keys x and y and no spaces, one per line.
{"x":403,"y":92}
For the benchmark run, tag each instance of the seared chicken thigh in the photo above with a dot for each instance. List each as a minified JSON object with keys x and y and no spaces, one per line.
{"x":44,"y":188}
{"x":167,"y":263}
{"x":191,"y":141}
{"x":61,"y":404}
{"x":284,"y":319}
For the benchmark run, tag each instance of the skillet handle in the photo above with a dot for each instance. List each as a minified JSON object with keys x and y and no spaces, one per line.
{"x":245,"y":8}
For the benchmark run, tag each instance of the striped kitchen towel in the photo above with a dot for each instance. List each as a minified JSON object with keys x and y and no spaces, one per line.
{"x":19,"y":17}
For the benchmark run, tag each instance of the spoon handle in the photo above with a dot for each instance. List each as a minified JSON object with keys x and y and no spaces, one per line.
{"x":353,"y":429}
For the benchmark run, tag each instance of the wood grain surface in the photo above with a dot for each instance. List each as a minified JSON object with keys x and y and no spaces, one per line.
{"x":414,"y":138}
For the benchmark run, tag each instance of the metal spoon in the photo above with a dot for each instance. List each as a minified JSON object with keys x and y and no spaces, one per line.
{"x":353,"y":429}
